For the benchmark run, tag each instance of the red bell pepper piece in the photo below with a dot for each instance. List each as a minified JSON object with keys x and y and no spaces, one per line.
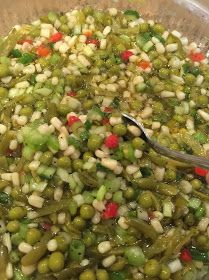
{"x":56,"y":37}
{"x":110,"y":211}
{"x":185,"y":255}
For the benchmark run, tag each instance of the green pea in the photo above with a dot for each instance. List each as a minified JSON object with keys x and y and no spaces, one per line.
{"x":64,"y":162}
{"x":63,"y":19}
{"x":46,"y":158}
{"x":87,"y":211}
{"x":153,"y":54}
{"x":88,"y":104}
{"x":189,"y":79}
{"x":200,"y":212}
{"x":87,"y":156}
{"x":135,"y":104}
{"x":17,"y":213}
{"x":129,"y":193}
{"x":33,"y":236}
{"x":152,"y":268}
{"x":139,"y":143}
{"x":13,"y":226}
{"x":65,"y":28}
{"x":196,"y":184}
{"x":64,"y":109}
{"x":170,"y":175}
{"x":88,"y":274}
{"x":89,"y":238}
{"x":159,"y":87}
{"x":102,"y":274}
{"x":157,"y":63}
{"x":79,"y":222}
{"x":144,"y":27}
{"x":174,"y":71}
{"x":120,"y":129}
{"x":164,"y":73}
{"x":56,"y":73}
{"x":202,"y":101}
{"x":40,"y":105}
{"x":94,"y":142}
{"x":202,"y":241}
{"x":165,"y":273}
{"x":158,"y":107}
{"x":3,"y":92}
{"x":62,"y":244}
{"x":158,"y":28}
{"x":77,"y":164}
{"x":26,"y":111}
{"x":43,"y":266}
{"x":4,"y":70}
{"x":56,"y":261}
{"x":145,"y":200}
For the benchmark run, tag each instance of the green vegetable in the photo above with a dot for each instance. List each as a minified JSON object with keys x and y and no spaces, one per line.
{"x":27,"y":58}
{"x":5,"y":198}
{"x":134,"y":256}
{"x":131,"y":14}
{"x":77,"y":250}
{"x":56,"y":261}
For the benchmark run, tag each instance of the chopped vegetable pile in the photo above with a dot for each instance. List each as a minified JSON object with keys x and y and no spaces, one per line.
{"x":82,"y":196}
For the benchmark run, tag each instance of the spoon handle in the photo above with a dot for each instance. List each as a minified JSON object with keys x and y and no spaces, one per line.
{"x":179,"y":156}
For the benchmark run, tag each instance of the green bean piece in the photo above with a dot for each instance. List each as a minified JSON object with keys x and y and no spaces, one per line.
{"x":145,"y":183}
{"x":52,"y":208}
{"x":143,"y":228}
{"x":3,"y":261}
{"x":34,"y":255}
{"x":167,"y":189}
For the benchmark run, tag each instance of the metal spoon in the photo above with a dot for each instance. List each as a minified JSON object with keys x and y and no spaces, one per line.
{"x":179,"y":156}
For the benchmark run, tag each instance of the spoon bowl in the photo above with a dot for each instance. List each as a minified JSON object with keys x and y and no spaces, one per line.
{"x":176,"y":155}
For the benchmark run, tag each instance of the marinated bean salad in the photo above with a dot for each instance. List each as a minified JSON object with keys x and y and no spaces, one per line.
{"x":82,"y":196}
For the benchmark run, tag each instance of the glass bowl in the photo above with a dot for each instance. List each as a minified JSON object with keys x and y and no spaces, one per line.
{"x":189,"y":16}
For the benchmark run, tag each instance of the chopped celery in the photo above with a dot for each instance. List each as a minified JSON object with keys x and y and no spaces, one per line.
{"x":53,"y":143}
{"x":101,"y":193}
{"x":131,"y":14}
{"x":46,"y":171}
{"x":142,"y":39}
{"x":134,"y":256}
{"x":40,"y":186}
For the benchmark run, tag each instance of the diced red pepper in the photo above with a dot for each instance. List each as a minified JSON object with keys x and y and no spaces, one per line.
{"x":72,"y":120}
{"x":29,"y":41}
{"x":43,"y":51}
{"x":185,"y":255}
{"x":110,"y":211}
{"x":105,"y":121}
{"x":93,"y":41}
{"x":56,"y":37}
{"x":151,"y":215}
{"x":112,"y":141}
{"x":46,"y":226}
{"x":107,"y":109}
{"x":144,"y":64}
{"x":197,"y":57}
{"x":88,"y":33}
{"x":200,"y":171}
{"x":71,"y":93}
{"x":125,"y":55}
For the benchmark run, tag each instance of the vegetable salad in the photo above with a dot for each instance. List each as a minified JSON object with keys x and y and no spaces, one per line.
{"x":82,"y":196}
